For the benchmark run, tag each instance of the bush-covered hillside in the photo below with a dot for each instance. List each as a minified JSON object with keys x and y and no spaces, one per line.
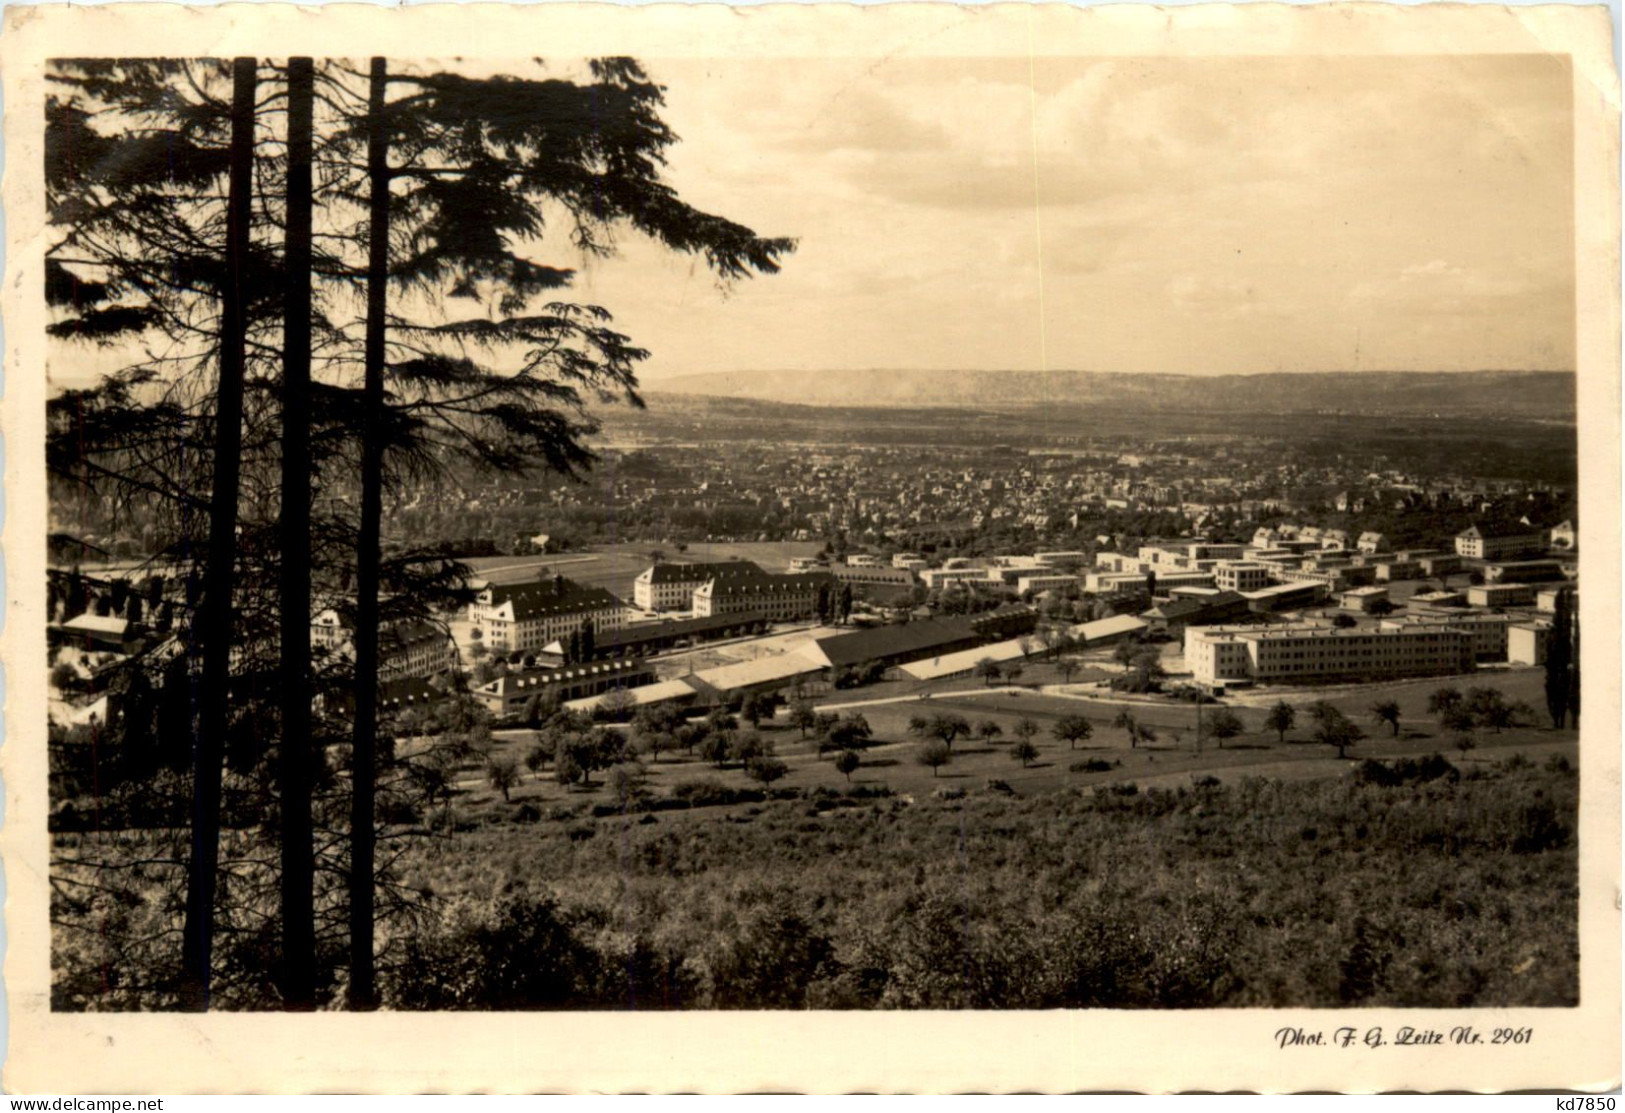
{"x":1413,"y":884}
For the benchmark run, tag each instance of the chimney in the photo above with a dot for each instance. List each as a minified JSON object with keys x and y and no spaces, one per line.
{"x":558,"y":583}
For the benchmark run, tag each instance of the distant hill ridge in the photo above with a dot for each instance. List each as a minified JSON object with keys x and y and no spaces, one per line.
{"x":1530,"y":394}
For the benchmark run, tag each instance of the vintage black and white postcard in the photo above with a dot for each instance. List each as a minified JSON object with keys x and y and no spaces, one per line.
{"x":909,"y":549}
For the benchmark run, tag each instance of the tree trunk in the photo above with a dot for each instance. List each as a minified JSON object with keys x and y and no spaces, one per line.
{"x":298,"y":853}
{"x":363,"y":994}
{"x":214,"y":620}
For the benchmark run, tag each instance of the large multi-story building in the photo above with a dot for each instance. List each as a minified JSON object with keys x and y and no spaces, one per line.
{"x":1474,"y":544}
{"x":1397,"y":569}
{"x":1488,"y":631}
{"x":934,"y":578}
{"x":1441,"y":565}
{"x":1501,"y":595}
{"x":779,"y":597}
{"x":1527,"y":642}
{"x":1240,"y":575}
{"x":527,"y":616}
{"x":1364,"y":599}
{"x":1221,"y":655}
{"x":407,"y":649}
{"x":1045,"y":581}
{"x":671,"y":587}
{"x":414,"y":650}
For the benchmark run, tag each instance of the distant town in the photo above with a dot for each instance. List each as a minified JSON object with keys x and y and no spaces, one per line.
{"x":1292,"y":604}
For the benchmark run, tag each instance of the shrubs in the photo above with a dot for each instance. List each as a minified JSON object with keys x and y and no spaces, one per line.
{"x":1093,"y":765}
{"x":709,"y":792}
{"x":1405,"y":771}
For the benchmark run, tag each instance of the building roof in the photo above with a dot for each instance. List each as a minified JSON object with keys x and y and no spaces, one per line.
{"x":398,"y":636}
{"x":765,"y":583}
{"x":88,"y":623}
{"x":408,"y":692}
{"x":951,"y":664}
{"x":548,"y":598}
{"x":1283,"y":589}
{"x":1184,"y":608}
{"x":664,"y":692}
{"x":763,"y":670}
{"x":641,"y":634}
{"x":681,"y":573}
{"x":540,"y":679}
{"x":893,"y":643}
{"x":1114,"y":626}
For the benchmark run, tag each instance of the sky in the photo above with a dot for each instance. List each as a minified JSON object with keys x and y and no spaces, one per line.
{"x":1190,"y":215}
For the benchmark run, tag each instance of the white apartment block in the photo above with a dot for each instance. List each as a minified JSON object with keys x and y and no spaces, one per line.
{"x":1045,"y":582}
{"x":1488,"y":631}
{"x":1392,"y":570}
{"x":1113,"y":581}
{"x":1240,"y":575}
{"x":1231,"y":655}
{"x":1526,"y":643}
{"x":1474,"y":544}
{"x":1501,"y":595}
{"x":1363,"y":599}
{"x":934,"y":578}
{"x":1546,"y":597}
{"x":1118,"y":562}
{"x":1438,"y":599}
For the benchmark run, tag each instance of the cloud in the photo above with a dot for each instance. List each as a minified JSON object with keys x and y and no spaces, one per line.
{"x":1441,"y":287}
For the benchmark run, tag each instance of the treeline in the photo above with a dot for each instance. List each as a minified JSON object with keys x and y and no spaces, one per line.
{"x":326,"y":276}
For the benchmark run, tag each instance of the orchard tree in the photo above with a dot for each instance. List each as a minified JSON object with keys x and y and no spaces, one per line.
{"x":1073,"y":729}
{"x":934,"y":755}
{"x":1386,"y":712}
{"x":1024,"y":752}
{"x":1224,"y":724}
{"x":949,"y":728}
{"x":766,"y":769}
{"x":503,"y":773}
{"x":1441,"y":699}
{"x":852,"y":732}
{"x":1333,"y":728}
{"x":848,"y":764}
{"x":802,"y":715}
{"x":536,"y":757}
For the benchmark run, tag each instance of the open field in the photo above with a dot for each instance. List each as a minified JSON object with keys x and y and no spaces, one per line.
{"x":890,"y":762}
{"x":615,"y":567}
